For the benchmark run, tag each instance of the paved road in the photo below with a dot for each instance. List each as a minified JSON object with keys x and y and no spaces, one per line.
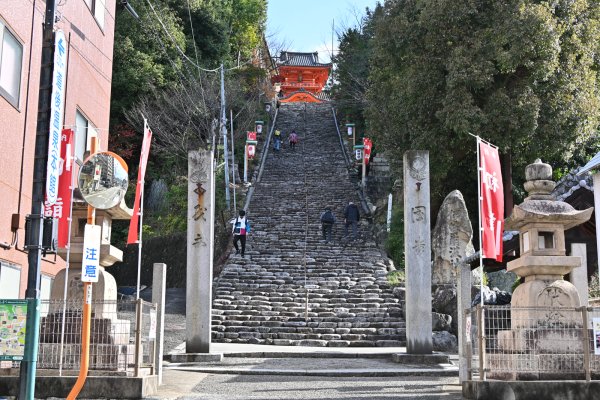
{"x":269,"y":387}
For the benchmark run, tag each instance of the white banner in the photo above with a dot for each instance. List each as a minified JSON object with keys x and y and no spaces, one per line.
{"x":57,"y":105}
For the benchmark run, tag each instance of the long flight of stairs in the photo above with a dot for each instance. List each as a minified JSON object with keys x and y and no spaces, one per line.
{"x":292,"y":288}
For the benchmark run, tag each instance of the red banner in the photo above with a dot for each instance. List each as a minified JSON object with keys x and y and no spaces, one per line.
{"x":492,"y":202}
{"x":132,"y":237}
{"x":62,"y":208}
{"x":251,"y":151}
{"x":251,"y":136}
{"x":367,"y":145}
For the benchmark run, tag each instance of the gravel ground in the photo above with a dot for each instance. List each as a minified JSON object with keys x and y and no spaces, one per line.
{"x":174,"y":317}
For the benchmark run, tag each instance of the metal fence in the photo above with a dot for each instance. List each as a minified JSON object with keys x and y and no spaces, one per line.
{"x":548,"y":343}
{"x":122,"y":337}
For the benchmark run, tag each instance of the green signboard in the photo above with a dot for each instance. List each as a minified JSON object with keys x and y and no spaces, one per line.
{"x":13,"y":319}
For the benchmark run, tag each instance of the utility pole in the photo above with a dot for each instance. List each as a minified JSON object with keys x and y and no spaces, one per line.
{"x":232,"y":160}
{"x":32,"y":293}
{"x":224,"y":133}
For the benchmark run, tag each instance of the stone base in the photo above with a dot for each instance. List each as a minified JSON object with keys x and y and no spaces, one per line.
{"x":96,"y":387}
{"x":108,"y":357}
{"x":403,"y":358}
{"x":519,"y":390}
{"x":194,"y":357}
{"x":542,"y":341}
{"x":529,"y":367}
{"x":103,"y":330}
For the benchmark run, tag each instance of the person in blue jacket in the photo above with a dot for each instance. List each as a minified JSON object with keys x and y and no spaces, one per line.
{"x":241,"y":228}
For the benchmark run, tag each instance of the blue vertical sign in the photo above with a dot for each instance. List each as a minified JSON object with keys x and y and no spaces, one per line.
{"x":90,"y":262}
{"x":57,"y":106}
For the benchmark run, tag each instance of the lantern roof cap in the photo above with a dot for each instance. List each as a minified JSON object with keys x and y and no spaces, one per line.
{"x":541,"y":206}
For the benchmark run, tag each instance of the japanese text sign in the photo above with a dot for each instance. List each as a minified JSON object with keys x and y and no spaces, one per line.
{"x":91,"y":253}
{"x":57,"y":106}
{"x":492,"y":201}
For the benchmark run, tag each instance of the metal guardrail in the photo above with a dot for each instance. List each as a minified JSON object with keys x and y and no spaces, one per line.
{"x":122,"y":340}
{"x":551,"y":343}
{"x":361,"y":193}
{"x":263,"y":158}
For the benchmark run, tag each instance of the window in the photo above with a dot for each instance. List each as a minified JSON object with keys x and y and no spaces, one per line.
{"x":10,"y":280}
{"x":546,"y":240}
{"x":84,"y":131}
{"x":11,"y":58}
{"x":98,"y":8}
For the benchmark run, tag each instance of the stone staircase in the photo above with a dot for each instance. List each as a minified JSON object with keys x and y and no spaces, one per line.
{"x":292,"y":288}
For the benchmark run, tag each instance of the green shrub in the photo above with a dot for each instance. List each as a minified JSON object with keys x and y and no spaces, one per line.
{"x":396,"y":278}
{"x":395,"y":241}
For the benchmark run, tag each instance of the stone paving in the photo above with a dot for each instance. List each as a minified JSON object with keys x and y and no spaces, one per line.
{"x":383,"y":366}
{"x":292,"y":288}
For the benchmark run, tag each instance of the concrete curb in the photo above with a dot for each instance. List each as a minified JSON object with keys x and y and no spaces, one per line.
{"x":444,"y":371}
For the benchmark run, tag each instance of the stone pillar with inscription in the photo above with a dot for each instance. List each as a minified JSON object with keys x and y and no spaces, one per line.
{"x":200,"y":232}
{"x":417,"y":252}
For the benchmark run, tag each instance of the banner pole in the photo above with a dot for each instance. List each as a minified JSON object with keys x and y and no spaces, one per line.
{"x":480,"y":227}
{"x":68,"y":260}
{"x":480,"y":205}
{"x":141,"y":214}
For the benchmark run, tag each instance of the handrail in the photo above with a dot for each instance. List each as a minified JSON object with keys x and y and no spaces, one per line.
{"x":361,"y":193}
{"x":337,"y":128}
{"x":263,"y":158}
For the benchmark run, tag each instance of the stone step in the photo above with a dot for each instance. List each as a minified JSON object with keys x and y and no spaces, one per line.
{"x":291,"y":287}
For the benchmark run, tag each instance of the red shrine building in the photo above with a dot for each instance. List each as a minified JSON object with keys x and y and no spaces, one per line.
{"x":302,"y":77}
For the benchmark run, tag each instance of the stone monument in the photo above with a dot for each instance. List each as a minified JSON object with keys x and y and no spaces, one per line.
{"x":450,"y":243}
{"x":542,"y":308}
{"x":451,"y":239}
{"x":417,"y":252}
{"x":200,"y":233}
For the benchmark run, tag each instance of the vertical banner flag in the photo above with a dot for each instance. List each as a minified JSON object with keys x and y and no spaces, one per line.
{"x":61,"y":209}
{"x":57,"y":109}
{"x":251,"y":144}
{"x":132,"y":237}
{"x":64,"y":186}
{"x":492,"y":201}
{"x":367,"y":149}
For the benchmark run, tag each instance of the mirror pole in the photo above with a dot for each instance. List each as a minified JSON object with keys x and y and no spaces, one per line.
{"x":87,"y":309}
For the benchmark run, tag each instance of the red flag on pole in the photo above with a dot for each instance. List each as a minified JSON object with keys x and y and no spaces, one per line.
{"x":132,"y":237}
{"x":368,"y":144}
{"x":61,"y":209}
{"x":492,"y":201}
{"x":64,"y":186}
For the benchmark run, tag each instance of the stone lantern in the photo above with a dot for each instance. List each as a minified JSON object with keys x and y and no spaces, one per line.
{"x":541,"y":222}
{"x":545,"y":331}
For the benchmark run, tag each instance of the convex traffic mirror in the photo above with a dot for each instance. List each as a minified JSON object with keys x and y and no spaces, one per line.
{"x":103,"y":180}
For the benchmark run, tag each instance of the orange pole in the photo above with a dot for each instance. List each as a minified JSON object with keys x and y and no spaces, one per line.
{"x":87,"y":312}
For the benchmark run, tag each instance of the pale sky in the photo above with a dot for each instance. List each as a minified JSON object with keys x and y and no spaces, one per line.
{"x":306,"y":25}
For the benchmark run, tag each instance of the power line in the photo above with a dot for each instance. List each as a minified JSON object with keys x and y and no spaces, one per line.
{"x":192,"y":28}
{"x":175,"y":42}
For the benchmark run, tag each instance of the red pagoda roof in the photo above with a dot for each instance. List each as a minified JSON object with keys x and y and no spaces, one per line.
{"x":297,"y":59}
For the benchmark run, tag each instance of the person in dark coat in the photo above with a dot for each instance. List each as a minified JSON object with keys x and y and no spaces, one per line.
{"x":351,"y":217}
{"x":327,"y":221}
